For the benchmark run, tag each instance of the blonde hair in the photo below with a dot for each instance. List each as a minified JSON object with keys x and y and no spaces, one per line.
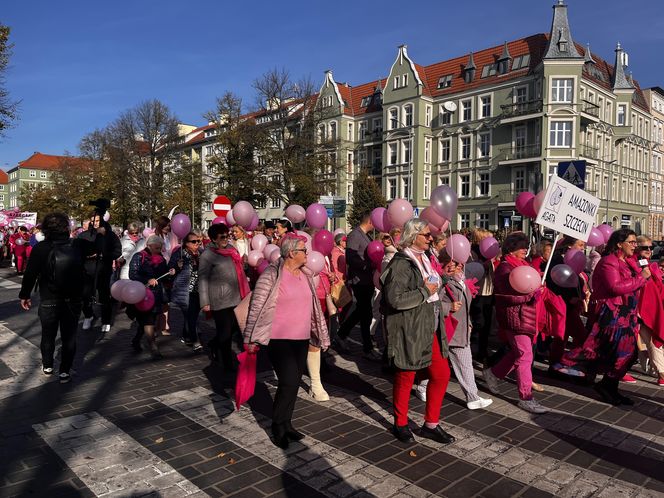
{"x":479,"y":234}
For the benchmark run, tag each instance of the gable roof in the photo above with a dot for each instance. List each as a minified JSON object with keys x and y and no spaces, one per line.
{"x":4,"y":177}
{"x":45,"y":161}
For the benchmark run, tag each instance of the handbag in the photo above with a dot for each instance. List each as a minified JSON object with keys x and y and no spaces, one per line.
{"x":331,"y":308}
{"x":340,"y":294}
{"x":242,"y":312}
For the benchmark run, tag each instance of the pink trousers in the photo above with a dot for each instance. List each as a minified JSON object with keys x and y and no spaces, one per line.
{"x":519,"y":358}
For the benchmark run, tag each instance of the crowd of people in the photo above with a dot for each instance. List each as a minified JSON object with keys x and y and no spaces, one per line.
{"x":433,"y":317}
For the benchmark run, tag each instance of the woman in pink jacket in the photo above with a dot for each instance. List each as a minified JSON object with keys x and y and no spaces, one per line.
{"x":612,"y":318}
{"x":285,"y":315}
{"x":517,"y":323}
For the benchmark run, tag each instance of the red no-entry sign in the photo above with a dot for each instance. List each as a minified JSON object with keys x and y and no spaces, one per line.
{"x":221,"y":205}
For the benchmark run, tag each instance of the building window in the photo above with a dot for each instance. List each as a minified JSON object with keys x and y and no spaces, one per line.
{"x":362,"y":129}
{"x":464,"y":220}
{"x":427,"y":186}
{"x":333,"y":131}
{"x":33,"y":173}
{"x":427,"y":115}
{"x":394,"y":119}
{"x":484,"y":145}
{"x":209,"y":150}
{"x":444,"y":180}
{"x":483,"y":184}
{"x":519,"y":180}
{"x":445,"y":81}
{"x":408,"y":115}
{"x":520,"y":62}
{"x":392,"y":149}
{"x":260,"y":204}
{"x":392,"y":188}
{"x":427,"y":150}
{"x":444,"y":150}
{"x":561,"y":90}
{"x":362,"y":158}
{"x":483,"y":220}
{"x":560,"y":134}
{"x":405,"y":182}
{"x":42,"y":174}
{"x":349,"y":192}
{"x":445,"y":116}
{"x":464,"y":185}
{"x":467,"y":110}
{"x":350,"y":132}
{"x":485,"y":106}
{"x":465,"y":148}
{"x":377,"y":125}
{"x":622,"y":113}
{"x":406,"y":151}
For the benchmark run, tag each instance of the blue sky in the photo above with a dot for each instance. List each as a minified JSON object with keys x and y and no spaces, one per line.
{"x":77,"y":65}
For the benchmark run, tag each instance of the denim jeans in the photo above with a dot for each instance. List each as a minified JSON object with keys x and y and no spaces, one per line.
{"x":62,"y":313}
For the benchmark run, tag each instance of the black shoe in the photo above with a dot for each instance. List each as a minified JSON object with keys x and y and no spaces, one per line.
{"x":624,"y":400}
{"x":607,"y":394}
{"x":292,"y":434}
{"x":136,"y":345}
{"x":280,"y":436}
{"x":403,"y":434}
{"x":437,"y":434}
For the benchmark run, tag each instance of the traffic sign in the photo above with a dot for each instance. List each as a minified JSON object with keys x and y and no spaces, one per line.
{"x":221,"y":205}
{"x":573,"y":172}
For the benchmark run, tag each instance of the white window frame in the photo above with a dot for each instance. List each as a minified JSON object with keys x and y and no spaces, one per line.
{"x":557,"y":133}
{"x":463,"y":148}
{"x":350,"y":132}
{"x":427,"y":150}
{"x":427,"y":186}
{"x":406,"y":151}
{"x":42,"y":174}
{"x":480,"y":223}
{"x":479,"y":182}
{"x":464,"y":220}
{"x":444,"y":146}
{"x":393,"y":153}
{"x":444,"y":180}
{"x":33,"y":173}
{"x":518,"y":175}
{"x":561,"y":93}
{"x":392,"y":191}
{"x":624,"y":109}
{"x":465,"y":105}
{"x":480,"y":153}
{"x":405,"y":186}
{"x":393,"y":114}
{"x":408,"y":115}
{"x":481,"y":106}
{"x":428,"y":112}
{"x":469,"y":185}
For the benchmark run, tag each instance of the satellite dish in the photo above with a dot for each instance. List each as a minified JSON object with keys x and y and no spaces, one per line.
{"x":450,"y":106}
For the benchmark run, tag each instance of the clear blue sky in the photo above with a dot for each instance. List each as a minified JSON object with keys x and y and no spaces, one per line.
{"x":77,"y":65}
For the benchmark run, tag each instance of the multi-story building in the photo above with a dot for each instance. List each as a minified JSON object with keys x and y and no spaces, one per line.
{"x":655,"y":97}
{"x":35,"y":170}
{"x":4,"y":189}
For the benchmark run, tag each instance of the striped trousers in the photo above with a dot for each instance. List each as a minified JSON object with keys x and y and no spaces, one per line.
{"x":462,"y":364}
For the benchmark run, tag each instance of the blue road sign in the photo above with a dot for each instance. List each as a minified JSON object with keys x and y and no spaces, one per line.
{"x":573,"y":172}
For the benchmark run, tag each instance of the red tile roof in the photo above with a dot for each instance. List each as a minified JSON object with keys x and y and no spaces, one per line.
{"x":4,"y":177}
{"x":200,"y":137}
{"x":45,"y":161}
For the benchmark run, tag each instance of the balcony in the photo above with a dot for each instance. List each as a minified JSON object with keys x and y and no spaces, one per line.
{"x":589,"y":151}
{"x":589,"y":112}
{"x":520,"y":111}
{"x":519,"y":153}
{"x":372,"y":138}
{"x":507,"y":195}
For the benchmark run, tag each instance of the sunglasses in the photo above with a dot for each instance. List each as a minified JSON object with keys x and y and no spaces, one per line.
{"x":194,"y":241}
{"x":631,"y":242}
{"x":427,"y":235}
{"x":645,"y":248}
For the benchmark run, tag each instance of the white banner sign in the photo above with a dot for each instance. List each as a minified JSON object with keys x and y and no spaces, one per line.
{"x":17,"y":218}
{"x":568,"y":209}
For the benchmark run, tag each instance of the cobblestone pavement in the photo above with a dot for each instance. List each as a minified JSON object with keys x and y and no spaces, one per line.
{"x":129,"y":426}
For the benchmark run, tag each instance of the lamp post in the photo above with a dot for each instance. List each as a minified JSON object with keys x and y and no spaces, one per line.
{"x":608,"y":184}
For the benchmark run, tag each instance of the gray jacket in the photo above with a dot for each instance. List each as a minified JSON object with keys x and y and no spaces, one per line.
{"x":358,"y":266}
{"x":217,"y":281}
{"x":461,"y":337}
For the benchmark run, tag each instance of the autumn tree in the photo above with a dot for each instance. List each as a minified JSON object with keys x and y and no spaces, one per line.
{"x":8,"y":107}
{"x":367,"y":195}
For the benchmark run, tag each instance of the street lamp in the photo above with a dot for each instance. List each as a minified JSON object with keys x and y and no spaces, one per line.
{"x":608,"y":184}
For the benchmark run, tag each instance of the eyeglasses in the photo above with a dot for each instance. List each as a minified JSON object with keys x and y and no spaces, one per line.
{"x":305,"y":251}
{"x":194,"y":241}
{"x":427,"y":235}
{"x":645,"y":248}
{"x":631,"y":242}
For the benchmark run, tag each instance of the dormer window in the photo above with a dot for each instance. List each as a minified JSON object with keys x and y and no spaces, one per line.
{"x":503,"y":66}
{"x":562,"y":41}
{"x":520,"y":62}
{"x":365,"y":101}
{"x":445,"y":81}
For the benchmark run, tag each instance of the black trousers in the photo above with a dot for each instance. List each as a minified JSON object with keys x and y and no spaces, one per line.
{"x":289,"y":359}
{"x":481,"y":313}
{"x":362,"y":314}
{"x":103,"y":292}
{"x":63,"y":314}
{"x":191,"y":313}
{"x":221,"y":346}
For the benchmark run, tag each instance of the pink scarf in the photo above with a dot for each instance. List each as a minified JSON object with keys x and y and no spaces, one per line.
{"x":232,"y":253}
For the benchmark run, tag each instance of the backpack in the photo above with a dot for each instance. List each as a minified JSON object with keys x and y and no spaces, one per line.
{"x":65,"y":268}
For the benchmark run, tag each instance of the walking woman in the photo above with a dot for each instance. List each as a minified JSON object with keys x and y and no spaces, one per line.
{"x":131,"y":243}
{"x":517,"y":323}
{"x":285,"y":315}
{"x":222,"y":284}
{"x":185,"y":262}
{"x":612,"y":317}
{"x":410,"y":293}
{"x":147,"y":266}
{"x":481,"y":308}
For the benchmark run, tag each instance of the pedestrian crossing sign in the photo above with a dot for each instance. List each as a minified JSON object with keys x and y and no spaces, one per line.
{"x":573,"y":172}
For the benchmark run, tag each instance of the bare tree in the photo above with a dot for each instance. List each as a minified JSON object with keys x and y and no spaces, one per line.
{"x":8,"y":107}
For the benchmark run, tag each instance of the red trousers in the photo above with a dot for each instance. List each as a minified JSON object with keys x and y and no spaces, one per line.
{"x":438,"y":374}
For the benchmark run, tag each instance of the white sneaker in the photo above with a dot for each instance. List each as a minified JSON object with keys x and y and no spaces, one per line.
{"x":87,"y":323}
{"x":532,"y":406}
{"x":106,"y":328}
{"x":479,"y":403}
{"x":491,"y":380}
{"x":421,"y":392}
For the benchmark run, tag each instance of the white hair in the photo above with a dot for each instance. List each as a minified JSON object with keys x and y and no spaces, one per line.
{"x":410,"y":231}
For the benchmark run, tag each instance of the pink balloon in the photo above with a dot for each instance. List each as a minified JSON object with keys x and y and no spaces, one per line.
{"x":387,"y":224}
{"x":315,"y":261}
{"x":444,"y":201}
{"x":338,"y":231}
{"x":274,"y":256}
{"x":458,"y":248}
{"x":116,"y":289}
{"x":107,"y":216}
{"x":220,"y":220}
{"x":259,"y":242}
{"x":268,"y":250}
{"x":375,"y":252}
{"x":377,"y":217}
{"x":254,"y":222}
{"x":147,"y":303}
{"x":295,"y":213}
{"x":261,"y":266}
{"x":596,"y":237}
{"x":307,"y":244}
{"x":133,"y":292}
{"x":489,"y":247}
{"x":576,"y":260}
{"x":20,"y":241}
{"x":323,"y":242}
{"x":606,"y":230}
{"x":230,"y":221}
{"x":525,"y":279}
{"x":538,"y":201}
{"x":445,"y":226}
{"x":430,"y":216}
{"x":181,"y":225}
{"x":399,"y":212}
{"x":565,"y":276}
{"x":434,"y":230}
{"x":316,"y":215}
{"x":524,"y":204}
{"x":243,"y":213}
{"x":254,"y":257}
{"x":529,"y":209}
{"x":147,"y":232}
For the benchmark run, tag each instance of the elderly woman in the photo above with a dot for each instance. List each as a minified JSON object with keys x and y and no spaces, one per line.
{"x":147,"y":267}
{"x":184,"y":294}
{"x":610,"y":348}
{"x":222,"y":284}
{"x":410,"y":295}
{"x":131,"y":244}
{"x":286,"y":316}
{"x":517,"y":323}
